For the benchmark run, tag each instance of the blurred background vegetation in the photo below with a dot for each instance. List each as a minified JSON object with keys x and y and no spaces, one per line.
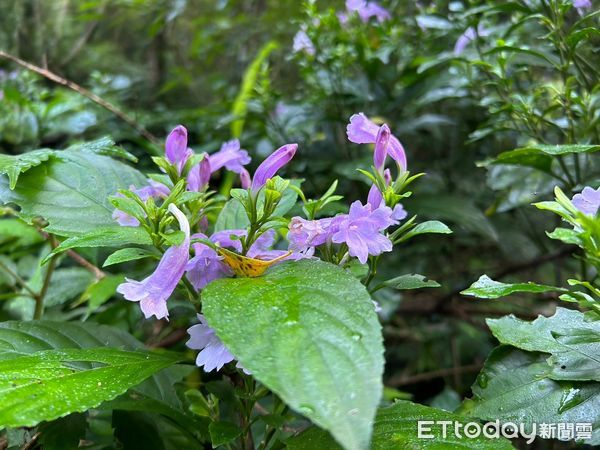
{"x":227,"y":69}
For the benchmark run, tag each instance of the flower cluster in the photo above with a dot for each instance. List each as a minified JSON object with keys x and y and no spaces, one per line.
{"x":361,"y":230}
{"x":194,"y":256}
{"x":153,"y":292}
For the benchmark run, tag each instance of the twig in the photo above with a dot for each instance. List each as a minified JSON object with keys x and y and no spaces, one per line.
{"x":83,"y":91}
{"x":402,"y":380}
{"x":96,"y":271}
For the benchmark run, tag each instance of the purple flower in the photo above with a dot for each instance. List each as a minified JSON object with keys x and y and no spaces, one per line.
{"x":381,"y":145}
{"x":582,"y":5}
{"x":304,"y":234}
{"x":213,"y":354}
{"x":275,"y":161}
{"x":205,"y":266}
{"x":303,"y":43}
{"x":154,"y":291}
{"x":361,"y":130}
{"x":231,"y":238}
{"x":154,"y":189}
{"x":399,"y":213}
{"x":176,"y":148}
{"x":361,"y":230}
{"x":366,"y":10}
{"x":374,"y":9}
{"x":245,"y":180}
{"x":230,"y":156}
{"x":469,"y":35}
{"x":588,"y":202}
{"x":199,"y":175}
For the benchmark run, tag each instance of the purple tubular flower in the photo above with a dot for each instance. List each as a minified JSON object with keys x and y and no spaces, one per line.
{"x":154,"y":291}
{"x":213,"y":354}
{"x":176,"y":148}
{"x":230,"y":156}
{"x":361,"y":230}
{"x":305,"y":234}
{"x":275,"y":161}
{"x":469,"y":35}
{"x":588,"y":201}
{"x":199,"y":175}
{"x":361,"y":130}
{"x":303,"y":43}
{"x":245,"y":179}
{"x":381,"y":145}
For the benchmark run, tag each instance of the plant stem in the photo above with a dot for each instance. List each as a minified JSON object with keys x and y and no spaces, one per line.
{"x":39,"y":299}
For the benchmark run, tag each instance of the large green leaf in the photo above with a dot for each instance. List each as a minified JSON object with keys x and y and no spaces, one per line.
{"x":308,"y":331}
{"x":15,"y":165}
{"x":573,"y":341}
{"x":71,"y":191}
{"x":485,"y":287}
{"x":156,"y":394}
{"x":513,"y":387}
{"x":396,"y":428}
{"x":52,"y":383}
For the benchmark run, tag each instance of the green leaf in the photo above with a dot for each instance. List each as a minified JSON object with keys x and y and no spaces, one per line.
{"x":512,"y":387}
{"x":240,"y":105}
{"x":101,"y":291}
{"x":540,"y":156}
{"x":156,"y":394}
{"x":52,"y":383}
{"x":18,"y":233}
{"x":410,"y":281}
{"x":104,"y":146}
{"x":15,"y":165}
{"x":222,"y":433}
{"x":104,"y":237}
{"x":127,"y":254}
{"x":431,"y":226}
{"x":573,"y":342}
{"x":396,"y":427}
{"x":566,"y":235}
{"x":71,"y":192}
{"x":485,"y":287}
{"x":316,"y":341}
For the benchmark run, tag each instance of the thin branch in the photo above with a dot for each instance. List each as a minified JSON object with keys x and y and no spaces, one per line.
{"x":85,"y":92}
{"x":96,"y":271}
